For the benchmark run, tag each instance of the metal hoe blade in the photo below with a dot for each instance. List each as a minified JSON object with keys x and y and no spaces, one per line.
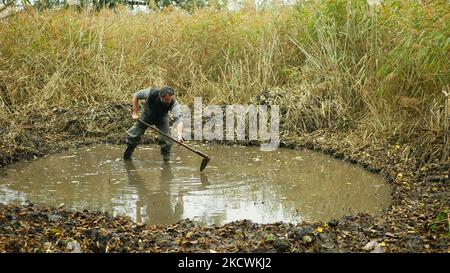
{"x":205,"y":162}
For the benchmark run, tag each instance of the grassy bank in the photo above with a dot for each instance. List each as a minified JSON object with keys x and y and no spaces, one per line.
{"x":381,"y":73}
{"x":416,"y":220}
{"x":365,"y":84}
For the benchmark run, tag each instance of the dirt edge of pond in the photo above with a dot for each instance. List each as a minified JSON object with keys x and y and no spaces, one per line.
{"x":416,"y":221}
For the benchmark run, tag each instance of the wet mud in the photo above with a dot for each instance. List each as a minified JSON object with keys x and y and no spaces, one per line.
{"x":416,"y":221}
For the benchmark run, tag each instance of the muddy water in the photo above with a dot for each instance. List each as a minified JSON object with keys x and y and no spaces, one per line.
{"x":239,"y":183}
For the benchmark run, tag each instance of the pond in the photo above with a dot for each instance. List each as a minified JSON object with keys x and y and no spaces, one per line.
{"x":239,"y":183}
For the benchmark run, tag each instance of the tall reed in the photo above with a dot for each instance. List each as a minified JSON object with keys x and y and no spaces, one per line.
{"x":336,"y":65}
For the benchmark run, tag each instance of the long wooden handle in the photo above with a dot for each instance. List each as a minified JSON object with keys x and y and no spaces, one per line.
{"x":173,"y":139}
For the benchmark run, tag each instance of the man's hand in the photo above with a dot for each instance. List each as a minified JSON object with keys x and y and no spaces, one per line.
{"x":135,"y":113}
{"x":180,"y":139}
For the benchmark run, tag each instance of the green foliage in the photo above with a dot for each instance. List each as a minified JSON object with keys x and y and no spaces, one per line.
{"x":441,"y":223}
{"x":184,"y":4}
{"x":100,"y":4}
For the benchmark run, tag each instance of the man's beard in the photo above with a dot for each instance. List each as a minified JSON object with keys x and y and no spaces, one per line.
{"x":165,"y":103}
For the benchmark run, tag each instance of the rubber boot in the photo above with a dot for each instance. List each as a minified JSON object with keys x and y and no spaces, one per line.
{"x":165,"y":152}
{"x":166,"y":158}
{"x":128,"y":151}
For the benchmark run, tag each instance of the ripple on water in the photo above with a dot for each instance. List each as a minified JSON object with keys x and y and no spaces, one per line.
{"x":239,"y":183}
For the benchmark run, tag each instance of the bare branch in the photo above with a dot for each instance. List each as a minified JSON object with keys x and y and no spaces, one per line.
{"x":6,"y":6}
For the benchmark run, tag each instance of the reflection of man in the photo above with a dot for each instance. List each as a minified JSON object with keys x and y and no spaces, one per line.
{"x":134,"y":179}
{"x":165,"y":181}
{"x":157,"y":205}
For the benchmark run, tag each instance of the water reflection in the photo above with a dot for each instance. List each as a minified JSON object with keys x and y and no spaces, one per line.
{"x":155,"y":207}
{"x":239,"y":183}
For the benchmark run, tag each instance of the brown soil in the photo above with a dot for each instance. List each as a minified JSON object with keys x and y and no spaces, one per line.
{"x":416,"y":221}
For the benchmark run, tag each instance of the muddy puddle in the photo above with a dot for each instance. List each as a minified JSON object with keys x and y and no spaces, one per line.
{"x":239,"y":183}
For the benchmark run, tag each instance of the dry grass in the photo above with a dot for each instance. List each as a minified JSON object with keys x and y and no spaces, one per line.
{"x":330,"y":65}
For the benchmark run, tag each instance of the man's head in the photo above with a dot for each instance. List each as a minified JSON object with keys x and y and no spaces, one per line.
{"x":166,"y":94}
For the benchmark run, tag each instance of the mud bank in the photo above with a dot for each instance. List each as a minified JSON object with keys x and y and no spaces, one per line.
{"x":416,"y":221}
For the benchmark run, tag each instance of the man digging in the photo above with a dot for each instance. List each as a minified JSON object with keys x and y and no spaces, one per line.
{"x":158,"y":102}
